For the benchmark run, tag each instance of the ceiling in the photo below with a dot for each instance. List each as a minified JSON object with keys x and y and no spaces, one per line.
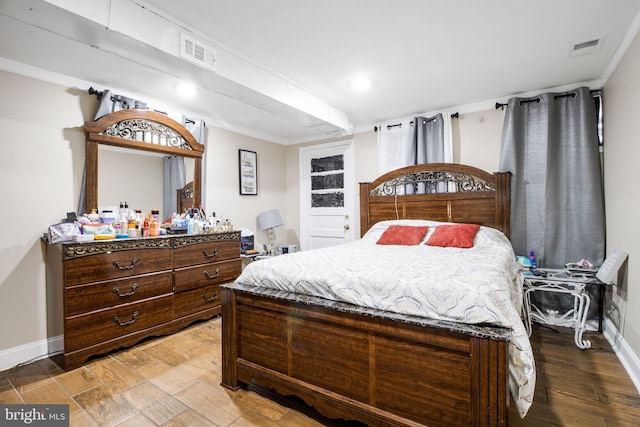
{"x":421,"y":56}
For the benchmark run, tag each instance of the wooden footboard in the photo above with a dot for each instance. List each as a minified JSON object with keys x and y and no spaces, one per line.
{"x":359,"y":364}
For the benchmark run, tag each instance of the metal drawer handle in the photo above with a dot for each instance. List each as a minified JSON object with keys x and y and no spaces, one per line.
{"x":212,"y":276}
{"x":210,"y":255}
{"x":128,"y":294}
{"x":128,"y":267}
{"x":133,"y":319}
{"x":207,"y":299}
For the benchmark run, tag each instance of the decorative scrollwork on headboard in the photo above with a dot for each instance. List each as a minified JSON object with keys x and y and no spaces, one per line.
{"x":449,"y":192}
{"x":186,"y":192}
{"x":147,"y":131}
{"x":432,"y":182}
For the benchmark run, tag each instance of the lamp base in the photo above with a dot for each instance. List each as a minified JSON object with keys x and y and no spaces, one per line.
{"x":271,"y":249}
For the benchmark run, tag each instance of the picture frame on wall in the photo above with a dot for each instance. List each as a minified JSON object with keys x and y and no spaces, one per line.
{"x":248,"y":172}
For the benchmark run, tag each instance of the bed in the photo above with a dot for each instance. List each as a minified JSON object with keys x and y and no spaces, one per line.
{"x":344,"y":329}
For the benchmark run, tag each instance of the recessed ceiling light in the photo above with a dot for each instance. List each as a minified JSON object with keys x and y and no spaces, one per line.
{"x":360,"y":84}
{"x":186,"y":89}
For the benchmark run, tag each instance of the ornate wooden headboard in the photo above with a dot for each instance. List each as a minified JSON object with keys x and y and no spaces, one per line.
{"x":184,"y":198}
{"x":440,"y":192}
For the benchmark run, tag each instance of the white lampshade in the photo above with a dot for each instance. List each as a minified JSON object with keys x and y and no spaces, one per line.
{"x":270,"y":219}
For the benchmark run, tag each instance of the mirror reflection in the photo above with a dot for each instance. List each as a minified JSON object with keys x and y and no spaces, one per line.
{"x":134,"y":177}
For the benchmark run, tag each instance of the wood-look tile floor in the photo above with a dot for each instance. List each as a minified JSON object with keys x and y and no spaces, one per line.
{"x":175,"y":381}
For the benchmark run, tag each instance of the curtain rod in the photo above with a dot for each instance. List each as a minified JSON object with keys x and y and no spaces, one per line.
{"x":594,"y":92}
{"x":98,"y":94}
{"x":453,"y":116}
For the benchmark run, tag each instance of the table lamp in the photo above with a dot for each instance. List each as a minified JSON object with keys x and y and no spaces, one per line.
{"x":268,"y":221}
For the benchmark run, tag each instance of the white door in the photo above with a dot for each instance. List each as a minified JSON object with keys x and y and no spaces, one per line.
{"x":327,"y":187}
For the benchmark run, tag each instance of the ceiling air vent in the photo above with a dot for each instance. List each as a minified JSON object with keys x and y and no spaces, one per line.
{"x":586,"y":47}
{"x":197,"y":52}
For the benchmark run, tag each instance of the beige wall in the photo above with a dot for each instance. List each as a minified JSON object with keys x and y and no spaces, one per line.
{"x":478,"y":139}
{"x":221,"y":191}
{"x":622,"y":174}
{"x":42,"y":155}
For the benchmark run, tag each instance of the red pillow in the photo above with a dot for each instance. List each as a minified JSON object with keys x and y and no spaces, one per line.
{"x":454,"y":236}
{"x":403,"y":235}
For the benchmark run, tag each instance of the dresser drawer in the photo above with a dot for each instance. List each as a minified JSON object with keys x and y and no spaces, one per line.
{"x":99,"y":326}
{"x":207,"y":274}
{"x":116,"y":264}
{"x":205,"y":252}
{"x":95,"y":296}
{"x":195,"y":300}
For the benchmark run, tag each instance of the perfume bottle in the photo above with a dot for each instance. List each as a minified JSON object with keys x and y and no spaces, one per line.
{"x":532,"y":259}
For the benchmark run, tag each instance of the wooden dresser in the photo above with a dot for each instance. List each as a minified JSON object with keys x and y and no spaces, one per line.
{"x":106,"y":295}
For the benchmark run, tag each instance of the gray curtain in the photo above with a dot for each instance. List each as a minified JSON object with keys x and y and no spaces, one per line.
{"x":174,"y":179}
{"x":428,"y":134}
{"x":429,"y":143}
{"x":110,"y":102}
{"x":550,"y":144}
{"x":411,"y":142}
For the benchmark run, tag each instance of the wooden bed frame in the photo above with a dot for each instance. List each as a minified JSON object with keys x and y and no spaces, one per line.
{"x":377,"y":367}
{"x":184,"y":198}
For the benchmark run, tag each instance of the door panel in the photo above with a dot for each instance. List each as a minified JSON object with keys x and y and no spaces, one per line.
{"x":326,"y":195}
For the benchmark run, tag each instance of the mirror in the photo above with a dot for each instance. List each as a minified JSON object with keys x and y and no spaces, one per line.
{"x":135,"y":177}
{"x":136,"y":141}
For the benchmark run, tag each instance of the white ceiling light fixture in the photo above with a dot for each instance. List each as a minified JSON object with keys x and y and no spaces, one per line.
{"x":360,"y":84}
{"x":186,"y":89}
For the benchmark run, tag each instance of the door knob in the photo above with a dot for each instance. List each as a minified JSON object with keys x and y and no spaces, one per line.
{"x":346,"y":226}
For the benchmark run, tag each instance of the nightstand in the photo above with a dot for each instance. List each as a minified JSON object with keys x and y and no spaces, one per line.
{"x":565,"y":282}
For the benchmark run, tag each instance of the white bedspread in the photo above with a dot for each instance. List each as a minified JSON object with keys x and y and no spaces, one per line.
{"x":482,"y":284}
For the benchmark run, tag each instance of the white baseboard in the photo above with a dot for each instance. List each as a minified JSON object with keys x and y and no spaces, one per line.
{"x":628,"y":358}
{"x":29,"y":352}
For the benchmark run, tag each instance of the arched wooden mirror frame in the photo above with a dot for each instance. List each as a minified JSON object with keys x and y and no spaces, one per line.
{"x":140,"y":130}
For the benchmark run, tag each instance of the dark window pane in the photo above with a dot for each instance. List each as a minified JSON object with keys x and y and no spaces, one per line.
{"x":327,"y":200}
{"x":323,"y":164}
{"x":325,"y":182}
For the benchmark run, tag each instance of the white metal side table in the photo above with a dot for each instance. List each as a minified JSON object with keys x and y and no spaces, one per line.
{"x":565,"y":282}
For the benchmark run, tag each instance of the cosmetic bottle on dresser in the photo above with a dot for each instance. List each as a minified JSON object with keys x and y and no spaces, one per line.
{"x":145,"y":227}
{"x":154,"y":227}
